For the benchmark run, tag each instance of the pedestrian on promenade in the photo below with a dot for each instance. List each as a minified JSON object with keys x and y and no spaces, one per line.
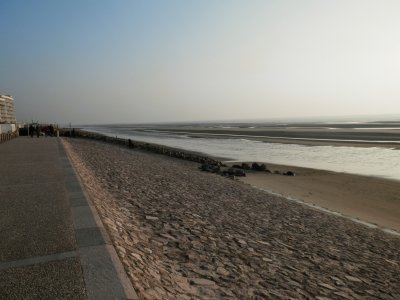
{"x":37,"y":130}
{"x":51,"y":130}
{"x":31,"y":130}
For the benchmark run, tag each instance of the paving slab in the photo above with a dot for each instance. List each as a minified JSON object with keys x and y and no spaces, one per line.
{"x":29,"y":173}
{"x":98,"y":259}
{"x":35,"y":220}
{"x":53,"y":280}
{"x":52,"y":242}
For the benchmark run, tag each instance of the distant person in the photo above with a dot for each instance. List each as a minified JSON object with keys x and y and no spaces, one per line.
{"x":31,"y":130}
{"x":37,"y":130}
{"x":51,"y":130}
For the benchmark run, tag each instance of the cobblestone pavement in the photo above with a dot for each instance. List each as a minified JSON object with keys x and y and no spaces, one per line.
{"x":184,"y":234}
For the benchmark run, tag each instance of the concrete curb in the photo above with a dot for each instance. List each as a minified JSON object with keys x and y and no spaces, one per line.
{"x":104,"y":275}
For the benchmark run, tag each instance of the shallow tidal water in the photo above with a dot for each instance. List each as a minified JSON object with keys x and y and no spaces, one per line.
{"x":369,"y":161}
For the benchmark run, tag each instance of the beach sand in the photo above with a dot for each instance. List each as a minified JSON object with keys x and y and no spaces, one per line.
{"x":185,"y":234}
{"x":370,"y":199}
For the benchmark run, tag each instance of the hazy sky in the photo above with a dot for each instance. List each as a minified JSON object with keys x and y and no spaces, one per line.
{"x":98,"y":61}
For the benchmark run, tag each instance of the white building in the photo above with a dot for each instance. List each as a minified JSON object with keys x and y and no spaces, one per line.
{"x":7,"y":113}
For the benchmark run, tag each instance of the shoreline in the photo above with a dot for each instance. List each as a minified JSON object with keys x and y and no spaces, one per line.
{"x":320,"y":142}
{"x":370,"y":199}
{"x":336,"y":167}
{"x":307,"y":137}
{"x":361,"y":200}
{"x":182,"y":233}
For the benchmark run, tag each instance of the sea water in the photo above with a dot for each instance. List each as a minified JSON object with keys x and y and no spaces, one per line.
{"x":369,"y":161}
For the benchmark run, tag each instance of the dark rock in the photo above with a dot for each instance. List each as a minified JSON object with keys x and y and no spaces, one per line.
{"x":245,"y":166}
{"x":255,"y":166}
{"x":239,"y":173}
{"x":230,"y":171}
{"x":203,"y":167}
{"x":235,"y":172}
{"x":210,"y":168}
{"x":289,"y":173}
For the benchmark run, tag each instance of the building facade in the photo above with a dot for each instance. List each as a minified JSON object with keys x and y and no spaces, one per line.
{"x":7,"y":113}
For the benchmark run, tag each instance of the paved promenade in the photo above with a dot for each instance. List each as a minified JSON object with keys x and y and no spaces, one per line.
{"x":52,"y":244}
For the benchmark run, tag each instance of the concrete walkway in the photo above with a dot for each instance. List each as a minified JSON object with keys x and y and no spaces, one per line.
{"x":52,"y":243}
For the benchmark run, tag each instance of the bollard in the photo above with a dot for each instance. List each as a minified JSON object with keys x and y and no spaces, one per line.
{"x":5,"y":137}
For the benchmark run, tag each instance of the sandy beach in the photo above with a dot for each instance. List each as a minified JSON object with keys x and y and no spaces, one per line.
{"x":185,"y":234}
{"x":370,"y":199}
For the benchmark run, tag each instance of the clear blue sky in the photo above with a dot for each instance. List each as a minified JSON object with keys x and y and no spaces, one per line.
{"x":100,"y":61}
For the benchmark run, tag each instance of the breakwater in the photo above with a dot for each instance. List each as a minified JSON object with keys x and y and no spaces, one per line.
{"x":155,"y":148}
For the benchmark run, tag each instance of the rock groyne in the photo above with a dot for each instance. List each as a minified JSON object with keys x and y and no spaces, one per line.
{"x":155,"y":148}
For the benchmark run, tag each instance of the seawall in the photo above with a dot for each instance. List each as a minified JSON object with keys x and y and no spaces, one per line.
{"x":159,"y":149}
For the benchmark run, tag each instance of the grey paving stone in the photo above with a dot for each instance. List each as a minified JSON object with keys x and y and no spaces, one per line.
{"x":73,"y":186}
{"x":101,"y":278}
{"x":86,"y":237}
{"x":68,"y":171}
{"x":78,"y":201}
{"x":71,"y":176}
{"x":76,"y":194}
{"x":71,"y":180}
{"x":82,"y":217}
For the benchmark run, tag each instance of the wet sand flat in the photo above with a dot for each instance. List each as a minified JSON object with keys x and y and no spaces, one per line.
{"x":184,"y":234}
{"x":303,"y":136}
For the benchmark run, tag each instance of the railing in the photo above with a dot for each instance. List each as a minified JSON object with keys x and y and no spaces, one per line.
{"x":4,"y":137}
